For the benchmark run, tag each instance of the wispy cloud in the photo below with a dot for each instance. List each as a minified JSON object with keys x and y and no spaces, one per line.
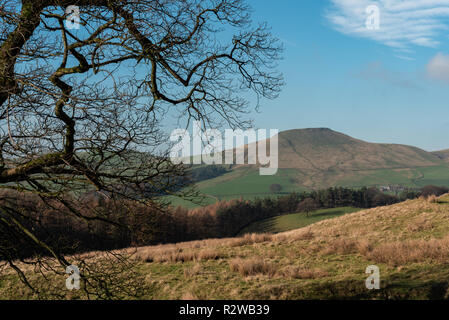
{"x":404,"y":58}
{"x":402,"y":23}
{"x":438,"y":67}
{"x":376,"y":71}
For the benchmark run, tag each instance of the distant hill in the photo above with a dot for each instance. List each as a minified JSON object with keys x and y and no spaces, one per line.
{"x":324,"y":149}
{"x":319,"y":158}
{"x":443,"y":154}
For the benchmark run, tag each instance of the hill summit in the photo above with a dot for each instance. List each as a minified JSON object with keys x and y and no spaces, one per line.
{"x":320,"y":149}
{"x":318,"y":158}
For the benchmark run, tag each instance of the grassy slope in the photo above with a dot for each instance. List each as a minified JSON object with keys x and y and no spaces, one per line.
{"x":409,"y":242}
{"x":246,"y":180}
{"x":295,"y":221}
{"x":324,"y":149}
{"x":333,"y":256}
{"x":443,"y":154}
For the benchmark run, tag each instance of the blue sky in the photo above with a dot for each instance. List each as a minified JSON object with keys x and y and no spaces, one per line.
{"x":388,"y":85}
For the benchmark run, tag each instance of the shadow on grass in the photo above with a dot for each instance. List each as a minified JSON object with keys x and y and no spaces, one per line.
{"x":396,"y":287}
{"x":336,"y":212}
{"x":264,"y":226}
{"x":292,"y":221}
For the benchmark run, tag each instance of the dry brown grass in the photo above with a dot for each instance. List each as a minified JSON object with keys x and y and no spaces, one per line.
{"x":249,"y":239}
{"x":400,"y":253}
{"x":209,"y":254}
{"x":420,"y":224}
{"x":279,"y":238}
{"x":305,"y":234}
{"x":364,"y":247}
{"x":383,"y":224}
{"x":413,"y":235}
{"x":392,"y":253}
{"x":189,"y":296}
{"x":197,"y":250}
{"x":341,"y":246}
{"x":252,"y":266}
{"x":193,"y":271}
{"x":176,"y":254}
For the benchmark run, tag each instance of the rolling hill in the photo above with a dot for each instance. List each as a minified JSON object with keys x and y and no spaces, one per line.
{"x":408,"y":242}
{"x":324,"y":149}
{"x":443,"y":154}
{"x":320,"y":158}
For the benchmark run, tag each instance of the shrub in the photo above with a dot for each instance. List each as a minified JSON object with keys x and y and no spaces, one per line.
{"x":308,"y":205}
{"x":208,"y":254}
{"x":428,"y":191}
{"x":175,"y":254}
{"x":251,"y":267}
{"x":341,"y":246}
{"x":399,"y":253}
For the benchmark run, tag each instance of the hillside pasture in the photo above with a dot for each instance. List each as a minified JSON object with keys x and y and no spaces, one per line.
{"x":295,"y":220}
{"x":409,"y":242}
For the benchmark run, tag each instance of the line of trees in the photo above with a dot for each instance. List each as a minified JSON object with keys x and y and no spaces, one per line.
{"x":227,"y":218}
{"x":138,"y":225}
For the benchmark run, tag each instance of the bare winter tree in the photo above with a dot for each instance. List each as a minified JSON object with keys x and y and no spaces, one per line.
{"x":308,"y":205}
{"x":83,"y":109}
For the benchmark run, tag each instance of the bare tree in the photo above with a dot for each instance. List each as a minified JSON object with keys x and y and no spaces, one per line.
{"x":83,"y":109}
{"x":308,"y":205}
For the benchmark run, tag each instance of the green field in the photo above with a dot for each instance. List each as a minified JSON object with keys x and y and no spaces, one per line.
{"x":411,"y":177}
{"x":295,"y":221}
{"x":245,"y":182}
{"x":248,"y":181}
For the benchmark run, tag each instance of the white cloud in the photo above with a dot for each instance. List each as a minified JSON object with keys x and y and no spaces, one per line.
{"x":438,"y":67}
{"x":402,"y":23}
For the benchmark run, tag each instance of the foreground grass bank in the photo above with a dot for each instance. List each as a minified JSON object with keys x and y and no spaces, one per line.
{"x":409,"y":242}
